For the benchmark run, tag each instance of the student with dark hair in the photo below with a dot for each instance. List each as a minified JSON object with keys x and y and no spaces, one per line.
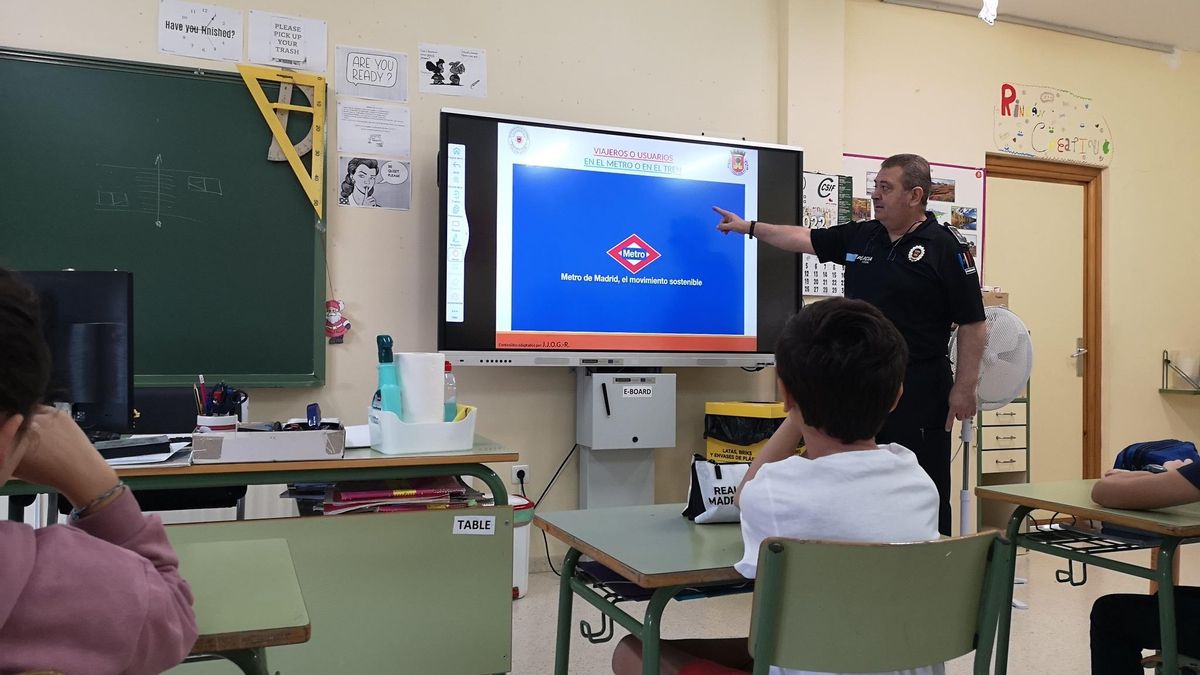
{"x":840,"y":365}
{"x":923,"y":278}
{"x":99,"y":595}
{"x":1123,"y":624}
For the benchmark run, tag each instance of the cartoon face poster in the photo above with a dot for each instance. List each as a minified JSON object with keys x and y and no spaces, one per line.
{"x":452,"y":71}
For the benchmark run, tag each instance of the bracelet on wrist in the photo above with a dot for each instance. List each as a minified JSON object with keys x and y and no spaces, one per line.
{"x":750,"y":232}
{"x":81,"y":511}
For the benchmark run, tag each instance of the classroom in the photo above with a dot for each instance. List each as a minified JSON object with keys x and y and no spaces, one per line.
{"x":843,"y":80}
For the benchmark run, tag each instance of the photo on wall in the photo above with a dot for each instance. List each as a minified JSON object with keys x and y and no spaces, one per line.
{"x":942,"y":190}
{"x":965,"y":217}
{"x":862,"y":208}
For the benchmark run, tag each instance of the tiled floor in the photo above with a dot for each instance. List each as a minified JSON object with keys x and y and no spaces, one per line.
{"x":1050,"y":637}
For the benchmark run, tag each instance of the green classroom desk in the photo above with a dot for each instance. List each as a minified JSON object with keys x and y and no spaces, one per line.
{"x":652,"y":546}
{"x":247,"y":598}
{"x":388,"y":593}
{"x":1073,"y":497}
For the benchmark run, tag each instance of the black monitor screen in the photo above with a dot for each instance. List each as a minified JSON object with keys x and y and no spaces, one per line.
{"x":87,"y":320}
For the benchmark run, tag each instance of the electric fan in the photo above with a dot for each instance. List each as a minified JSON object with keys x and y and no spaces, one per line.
{"x":1003,"y":372}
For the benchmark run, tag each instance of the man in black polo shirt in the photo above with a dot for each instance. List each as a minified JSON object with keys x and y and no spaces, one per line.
{"x":921,"y":276}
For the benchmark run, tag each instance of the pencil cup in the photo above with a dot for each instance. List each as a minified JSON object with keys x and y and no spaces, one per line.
{"x":216,"y":423}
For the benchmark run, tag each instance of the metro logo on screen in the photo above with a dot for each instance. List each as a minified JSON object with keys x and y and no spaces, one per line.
{"x":634,"y":253}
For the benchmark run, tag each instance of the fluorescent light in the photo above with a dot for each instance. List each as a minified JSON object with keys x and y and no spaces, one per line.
{"x":1034,"y":23}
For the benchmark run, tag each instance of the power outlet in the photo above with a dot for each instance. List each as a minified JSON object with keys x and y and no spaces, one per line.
{"x":520,"y":467}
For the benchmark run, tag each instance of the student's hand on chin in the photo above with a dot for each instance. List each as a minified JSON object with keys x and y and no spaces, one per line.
{"x":57,"y":447}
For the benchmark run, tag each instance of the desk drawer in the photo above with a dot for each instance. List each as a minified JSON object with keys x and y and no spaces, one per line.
{"x":1000,"y":438}
{"x":1013,"y":413}
{"x":1002,"y":461}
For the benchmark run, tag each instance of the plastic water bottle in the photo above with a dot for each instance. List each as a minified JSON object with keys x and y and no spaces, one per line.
{"x":451,"y":395}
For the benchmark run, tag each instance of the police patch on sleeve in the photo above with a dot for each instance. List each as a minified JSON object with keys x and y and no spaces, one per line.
{"x":967,"y":262}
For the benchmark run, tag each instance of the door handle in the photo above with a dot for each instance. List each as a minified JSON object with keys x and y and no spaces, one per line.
{"x":1080,"y":350}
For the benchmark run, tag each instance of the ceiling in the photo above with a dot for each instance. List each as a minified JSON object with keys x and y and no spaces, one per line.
{"x":1160,"y":24}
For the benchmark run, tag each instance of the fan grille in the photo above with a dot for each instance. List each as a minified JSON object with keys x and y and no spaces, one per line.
{"x":1007,"y":358}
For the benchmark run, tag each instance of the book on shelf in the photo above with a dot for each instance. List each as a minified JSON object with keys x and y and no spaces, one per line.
{"x":402,"y":494}
{"x":389,"y":507}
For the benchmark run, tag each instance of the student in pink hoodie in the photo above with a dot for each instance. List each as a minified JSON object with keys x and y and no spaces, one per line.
{"x":99,"y":595}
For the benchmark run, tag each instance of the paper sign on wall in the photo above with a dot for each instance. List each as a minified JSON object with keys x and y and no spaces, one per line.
{"x":288,"y":41}
{"x":371,"y":73}
{"x":374,"y":128}
{"x":827,"y":202}
{"x":1049,"y":123}
{"x":200,"y":31}
{"x":452,"y":71}
{"x":370,"y":182}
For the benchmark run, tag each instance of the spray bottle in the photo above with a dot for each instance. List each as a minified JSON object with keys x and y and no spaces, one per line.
{"x":389,"y":379}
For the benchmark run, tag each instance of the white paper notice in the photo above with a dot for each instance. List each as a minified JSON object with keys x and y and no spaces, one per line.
{"x":373,"y":129}
{"x":200,"y":31}
{"x":378,"y":183}
{"x":453,"y":71}
{"x":288,"y":41}
{"x":370,"y":73}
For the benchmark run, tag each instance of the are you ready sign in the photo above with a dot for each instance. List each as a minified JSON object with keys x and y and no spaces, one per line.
{"x":371,"y":73}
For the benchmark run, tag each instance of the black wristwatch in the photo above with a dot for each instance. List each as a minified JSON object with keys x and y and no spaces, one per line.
{"x":750,"y":232}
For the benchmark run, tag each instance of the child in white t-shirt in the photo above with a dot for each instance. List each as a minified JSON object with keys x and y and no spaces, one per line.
{"x":840,"y":365}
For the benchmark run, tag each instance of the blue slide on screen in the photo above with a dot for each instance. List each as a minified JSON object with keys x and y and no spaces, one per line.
{"x":565,"y":221}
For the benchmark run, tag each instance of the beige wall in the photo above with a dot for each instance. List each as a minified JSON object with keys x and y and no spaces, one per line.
{"x":831,"y":75}
{"x":929,"y":81}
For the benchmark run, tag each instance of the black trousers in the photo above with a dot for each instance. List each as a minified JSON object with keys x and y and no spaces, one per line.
{"x":919,"y":424}
{"x":1124,"y":624}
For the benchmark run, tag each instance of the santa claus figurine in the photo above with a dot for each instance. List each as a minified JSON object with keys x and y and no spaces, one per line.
{"x":336,"y":325}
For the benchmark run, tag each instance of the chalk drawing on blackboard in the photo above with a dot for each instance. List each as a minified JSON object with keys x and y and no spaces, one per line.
{"x":109,"y":199}
{"x":166,"y":194}
{"x":205,"y":184}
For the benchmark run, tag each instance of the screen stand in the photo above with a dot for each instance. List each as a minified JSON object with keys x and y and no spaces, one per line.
{"x":620,"y":417}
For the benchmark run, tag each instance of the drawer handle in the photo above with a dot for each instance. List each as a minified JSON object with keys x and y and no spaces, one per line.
{"x":1006,"y":438}
{"x":1006,"y":461}
{"x":1007,"y":414}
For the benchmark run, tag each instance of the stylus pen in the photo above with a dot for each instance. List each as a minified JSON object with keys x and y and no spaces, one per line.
{"x":604,"y":391}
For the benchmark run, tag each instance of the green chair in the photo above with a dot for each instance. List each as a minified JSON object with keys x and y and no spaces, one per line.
{"x":848,"y":607}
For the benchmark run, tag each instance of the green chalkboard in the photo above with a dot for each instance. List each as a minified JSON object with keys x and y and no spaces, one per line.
{"x":163,"y":172}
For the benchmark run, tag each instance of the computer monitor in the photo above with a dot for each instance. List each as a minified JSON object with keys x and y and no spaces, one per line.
{"x":87,"y":320}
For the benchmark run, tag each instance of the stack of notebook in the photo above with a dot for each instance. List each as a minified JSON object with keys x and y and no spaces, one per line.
{"x":410,"y":494}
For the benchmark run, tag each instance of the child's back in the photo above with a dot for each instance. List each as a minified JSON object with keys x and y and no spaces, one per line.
{"x":880,"y":496}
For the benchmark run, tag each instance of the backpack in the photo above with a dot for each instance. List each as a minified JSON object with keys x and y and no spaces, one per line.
{"x":710,"y":497}
{"x":1137,"y":456}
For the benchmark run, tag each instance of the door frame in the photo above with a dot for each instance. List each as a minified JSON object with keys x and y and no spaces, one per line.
{"x":1089,"y":178}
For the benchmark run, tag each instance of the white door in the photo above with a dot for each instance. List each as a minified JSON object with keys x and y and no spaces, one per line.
{"x":1034,"y":250}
